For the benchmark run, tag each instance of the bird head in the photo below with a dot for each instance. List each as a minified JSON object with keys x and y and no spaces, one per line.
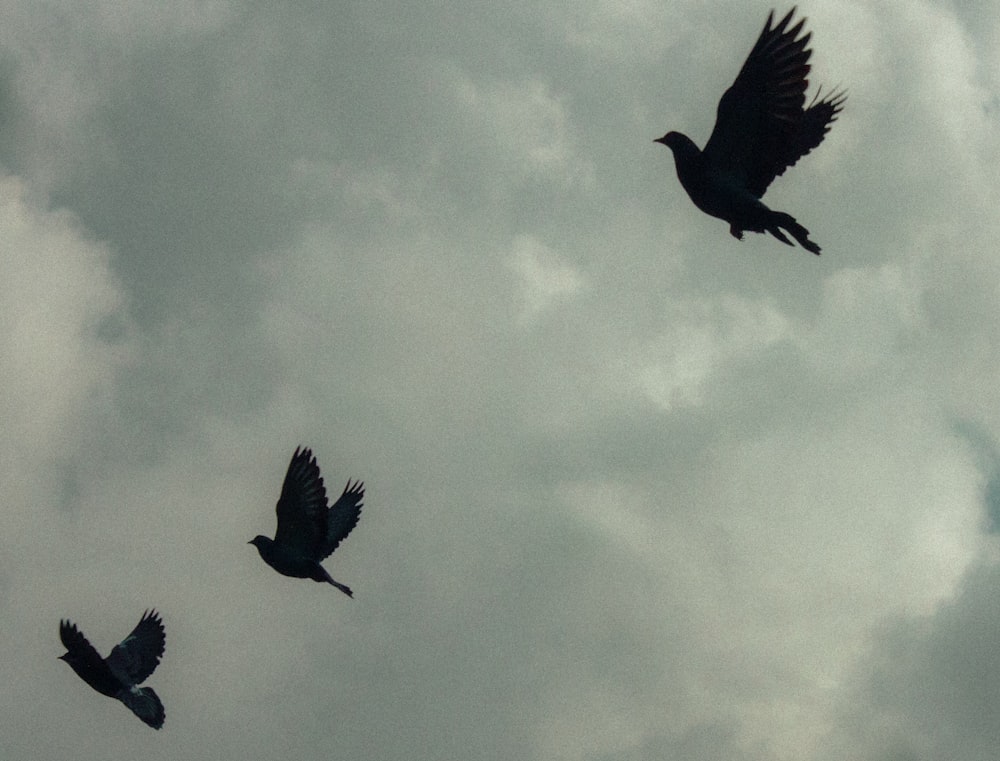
{"x":260,"y":541}
{"x":70,"y":637}
{"x":75,"y":662}
{"x":672,"y":140}
{"x":684,"y":150}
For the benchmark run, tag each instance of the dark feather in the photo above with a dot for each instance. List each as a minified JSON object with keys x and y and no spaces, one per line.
{"x":343,"y":516}
{"x":86,"y":662}
{"x":137,"y":656}
{"x":302,"y":508}
{"x":145,"y":704}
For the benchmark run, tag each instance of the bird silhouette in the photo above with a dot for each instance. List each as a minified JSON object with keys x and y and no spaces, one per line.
{"x":130,"y":663}
{"x":762,"y":127}
{"x":308,"y":531}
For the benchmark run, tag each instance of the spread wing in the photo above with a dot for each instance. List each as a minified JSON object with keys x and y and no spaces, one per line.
{"x":77,"y":645}
{"x":136,"y":657}
{"x":302,"y":507}
{"x":343,"y":516}
{"x":86,"y":661}
{"x":761,"y":125}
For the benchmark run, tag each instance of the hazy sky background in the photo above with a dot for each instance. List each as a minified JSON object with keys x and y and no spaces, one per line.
{"x":635,"y":491}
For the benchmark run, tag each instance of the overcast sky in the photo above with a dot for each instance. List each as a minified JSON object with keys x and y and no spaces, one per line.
{"x":635,"y":491}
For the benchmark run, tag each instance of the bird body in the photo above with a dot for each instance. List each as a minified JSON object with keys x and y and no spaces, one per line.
{"x":762,"y":127}
{"x":711,"y":188}
{"x":294,"y":564}
{"x":308,"y":530}
{"x":129,"y":664}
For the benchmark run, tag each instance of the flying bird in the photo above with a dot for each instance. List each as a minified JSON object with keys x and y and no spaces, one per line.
{"x":762,"y":127}
{"x":308,"y":531}
{"x":130,"y":663}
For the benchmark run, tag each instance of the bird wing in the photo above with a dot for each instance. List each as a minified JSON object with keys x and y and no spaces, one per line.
{"x":77,"y":645}
{"x":813,"y":126}
{"x":343,"y":516}
{"x":145,"y":704}
{"x":136,"y":657}
{"x":302,"y":507}
{"x":757,"y":126}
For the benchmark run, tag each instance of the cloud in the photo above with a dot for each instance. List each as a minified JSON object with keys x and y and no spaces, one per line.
{"x":545,"y":279}
{"x":66,"y":332}
{"x":518,"y":127}
{"x":634,"y":489}
{"x":926,"y":689}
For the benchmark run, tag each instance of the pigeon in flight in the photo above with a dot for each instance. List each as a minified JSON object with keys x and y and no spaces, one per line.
{"x":131,"y":661}
{"x":308,"y":530}
{"x":762,"y":127}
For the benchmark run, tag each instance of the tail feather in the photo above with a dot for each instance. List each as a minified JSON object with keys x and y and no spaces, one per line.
{"x":343,"y":588}
{"x":145,"y":704}
{"x":796,"y":230}
{"x":776,"y":232}
{"x":320,"y":574}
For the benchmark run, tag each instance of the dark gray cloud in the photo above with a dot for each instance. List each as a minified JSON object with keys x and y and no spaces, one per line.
{"x":927,"y":688}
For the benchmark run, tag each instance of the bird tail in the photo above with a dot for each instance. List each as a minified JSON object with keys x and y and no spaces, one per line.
{"x":342,"y":587}
{"x":787,"y":221}
{"x":320,"y":574}
{"x":145,"y":704}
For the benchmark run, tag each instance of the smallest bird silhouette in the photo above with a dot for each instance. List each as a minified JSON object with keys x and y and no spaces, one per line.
{"x":762,"y":127}
{"x":130,"y":663}
{"x":308,"y":531}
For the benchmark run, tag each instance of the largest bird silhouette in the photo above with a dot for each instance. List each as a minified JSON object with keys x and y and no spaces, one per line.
{"x":130,"y":663}
{"x":308,"y":531}
{"x":762,"y":127}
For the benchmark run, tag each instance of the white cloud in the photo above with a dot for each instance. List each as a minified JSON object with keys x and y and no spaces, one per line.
{"x":545,"y":278}
{"x":522,"y":126}
{"x":58,"y":296}
{"x":701,"y":336}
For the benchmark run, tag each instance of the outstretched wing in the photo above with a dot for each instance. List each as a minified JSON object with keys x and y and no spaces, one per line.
{"x":302,"y":507}
{"x":761,"y":128}
{"x":343,"y":516}
{"x":85,"y":660}
{"x":76,"y":644}
{"x":145,"y":704}
{"x":813,"y":126}
{"x":136,"y":657}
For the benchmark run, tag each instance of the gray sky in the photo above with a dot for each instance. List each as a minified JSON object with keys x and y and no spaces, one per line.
{"x":635,"y":491}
